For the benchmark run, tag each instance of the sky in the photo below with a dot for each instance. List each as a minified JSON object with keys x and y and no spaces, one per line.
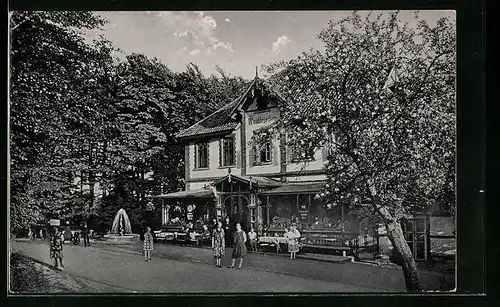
{"x":237,"y":41}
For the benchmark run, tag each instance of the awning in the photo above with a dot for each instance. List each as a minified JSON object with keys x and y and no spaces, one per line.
{"x":201,"y":193}
{"x":301,"y":188}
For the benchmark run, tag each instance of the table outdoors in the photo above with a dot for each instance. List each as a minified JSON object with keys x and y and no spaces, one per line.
{"x":279,"y":242}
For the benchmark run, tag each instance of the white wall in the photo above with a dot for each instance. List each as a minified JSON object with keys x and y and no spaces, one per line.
{"x":196,"y":185}
{"x":306,"y":178}
{"x":317,"y":164}
{"x":214,"y":169}
{"x":256,"y":120}
{"x":253,"y":120}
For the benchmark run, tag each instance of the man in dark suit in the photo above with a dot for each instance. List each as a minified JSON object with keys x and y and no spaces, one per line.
{"x":228,"y":231}
{"x":85,"y":234}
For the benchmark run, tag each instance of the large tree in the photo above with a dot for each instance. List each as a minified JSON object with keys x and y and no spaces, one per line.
{"x":52,"y":74}
{"x":383,"y":94}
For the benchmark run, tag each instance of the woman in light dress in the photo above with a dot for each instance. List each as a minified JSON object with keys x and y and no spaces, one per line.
{"x":218,"y":244}
{"x":293,"y":236}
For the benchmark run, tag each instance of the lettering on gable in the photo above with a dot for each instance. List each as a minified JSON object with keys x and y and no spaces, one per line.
{"x":263,"y":118}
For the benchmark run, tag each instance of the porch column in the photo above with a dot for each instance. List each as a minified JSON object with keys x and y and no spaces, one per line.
{"x":167,"y":213}
{"x":267,"y":208}
{"x":218,"y":207}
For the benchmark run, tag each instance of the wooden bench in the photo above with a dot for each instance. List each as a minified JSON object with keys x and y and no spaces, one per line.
{"x":328,"y":240}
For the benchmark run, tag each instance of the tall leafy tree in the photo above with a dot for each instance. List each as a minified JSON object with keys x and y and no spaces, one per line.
{"x":50,"y":80}
{"x":383,"y":94}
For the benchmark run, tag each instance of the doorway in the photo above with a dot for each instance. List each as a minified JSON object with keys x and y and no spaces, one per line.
{"x":236,"y":207}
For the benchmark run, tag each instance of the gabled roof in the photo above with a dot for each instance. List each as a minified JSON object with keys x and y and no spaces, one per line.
{"x":218,"y":121}
{"x":222,"y":120}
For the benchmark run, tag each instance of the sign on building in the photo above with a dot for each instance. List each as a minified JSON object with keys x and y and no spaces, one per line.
{"x":55,"y":222}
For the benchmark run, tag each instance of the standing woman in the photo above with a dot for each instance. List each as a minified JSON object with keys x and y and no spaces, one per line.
{"x":218,"y":244}
{"x":293,"y":241}
{"x":56,"y":248}
{"x":240,"y":249}
{"x":148,"y":244}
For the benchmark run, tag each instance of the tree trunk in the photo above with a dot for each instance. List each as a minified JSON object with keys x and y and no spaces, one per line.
{"x":91,"y":177}
{"x":395,"y":234}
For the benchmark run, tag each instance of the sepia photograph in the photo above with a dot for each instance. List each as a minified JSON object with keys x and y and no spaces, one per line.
{"x":232,"y":152}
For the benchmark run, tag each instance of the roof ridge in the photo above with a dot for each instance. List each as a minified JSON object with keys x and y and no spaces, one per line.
{"x":225,"y":107}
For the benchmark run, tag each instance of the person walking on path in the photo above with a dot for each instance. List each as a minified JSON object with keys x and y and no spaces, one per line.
{"x":293,"y":241}
{"x":240,"y":249}
{"x":252,"y":236}
{"x":56,"y":248}
{"x":218,"y":244}
{"x":147,"y":246}
{"x":85,"y":234}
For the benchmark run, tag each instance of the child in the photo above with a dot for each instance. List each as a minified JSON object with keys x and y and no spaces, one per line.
{"x":148,"y":244}
{"x":293,"y":241}
{"x":252,"y":236}
{"x":56,"y":248}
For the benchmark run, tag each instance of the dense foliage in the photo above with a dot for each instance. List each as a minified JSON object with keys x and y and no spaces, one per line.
{"x":84,"y":124}
{"x":382,"y":97}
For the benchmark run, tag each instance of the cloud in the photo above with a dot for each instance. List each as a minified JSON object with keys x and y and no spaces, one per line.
{"x":215,"y":44}
{"x":196,"y":29}
{"x":281,"y":43}
{"x":195,"y":51}
{"x":228,"y":20}
{"x":186,"y":34}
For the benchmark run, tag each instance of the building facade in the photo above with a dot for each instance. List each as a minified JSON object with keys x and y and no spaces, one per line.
{"x":270,"y":186}
{"x":264,"y":187}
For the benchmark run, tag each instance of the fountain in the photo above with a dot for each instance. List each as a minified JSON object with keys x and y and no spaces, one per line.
{"x":121,"y":231}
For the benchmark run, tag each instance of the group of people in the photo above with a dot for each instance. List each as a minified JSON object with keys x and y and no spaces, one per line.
{"x":222,"y":235}
{"x":219,"y":239}
{"x":58,"y":238}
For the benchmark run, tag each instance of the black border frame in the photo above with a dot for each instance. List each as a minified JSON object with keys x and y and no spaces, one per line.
{"x":471,"y":150}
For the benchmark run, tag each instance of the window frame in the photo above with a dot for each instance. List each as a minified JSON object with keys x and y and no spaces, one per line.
{"x":308,"y":157}
{"x":198,"y":158}
{"x":257,"y":153}
{"x":223,"y":155}
{"x":331,"y":144}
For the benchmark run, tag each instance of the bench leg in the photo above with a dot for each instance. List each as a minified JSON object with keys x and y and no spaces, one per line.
{"x":344,"y":254}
